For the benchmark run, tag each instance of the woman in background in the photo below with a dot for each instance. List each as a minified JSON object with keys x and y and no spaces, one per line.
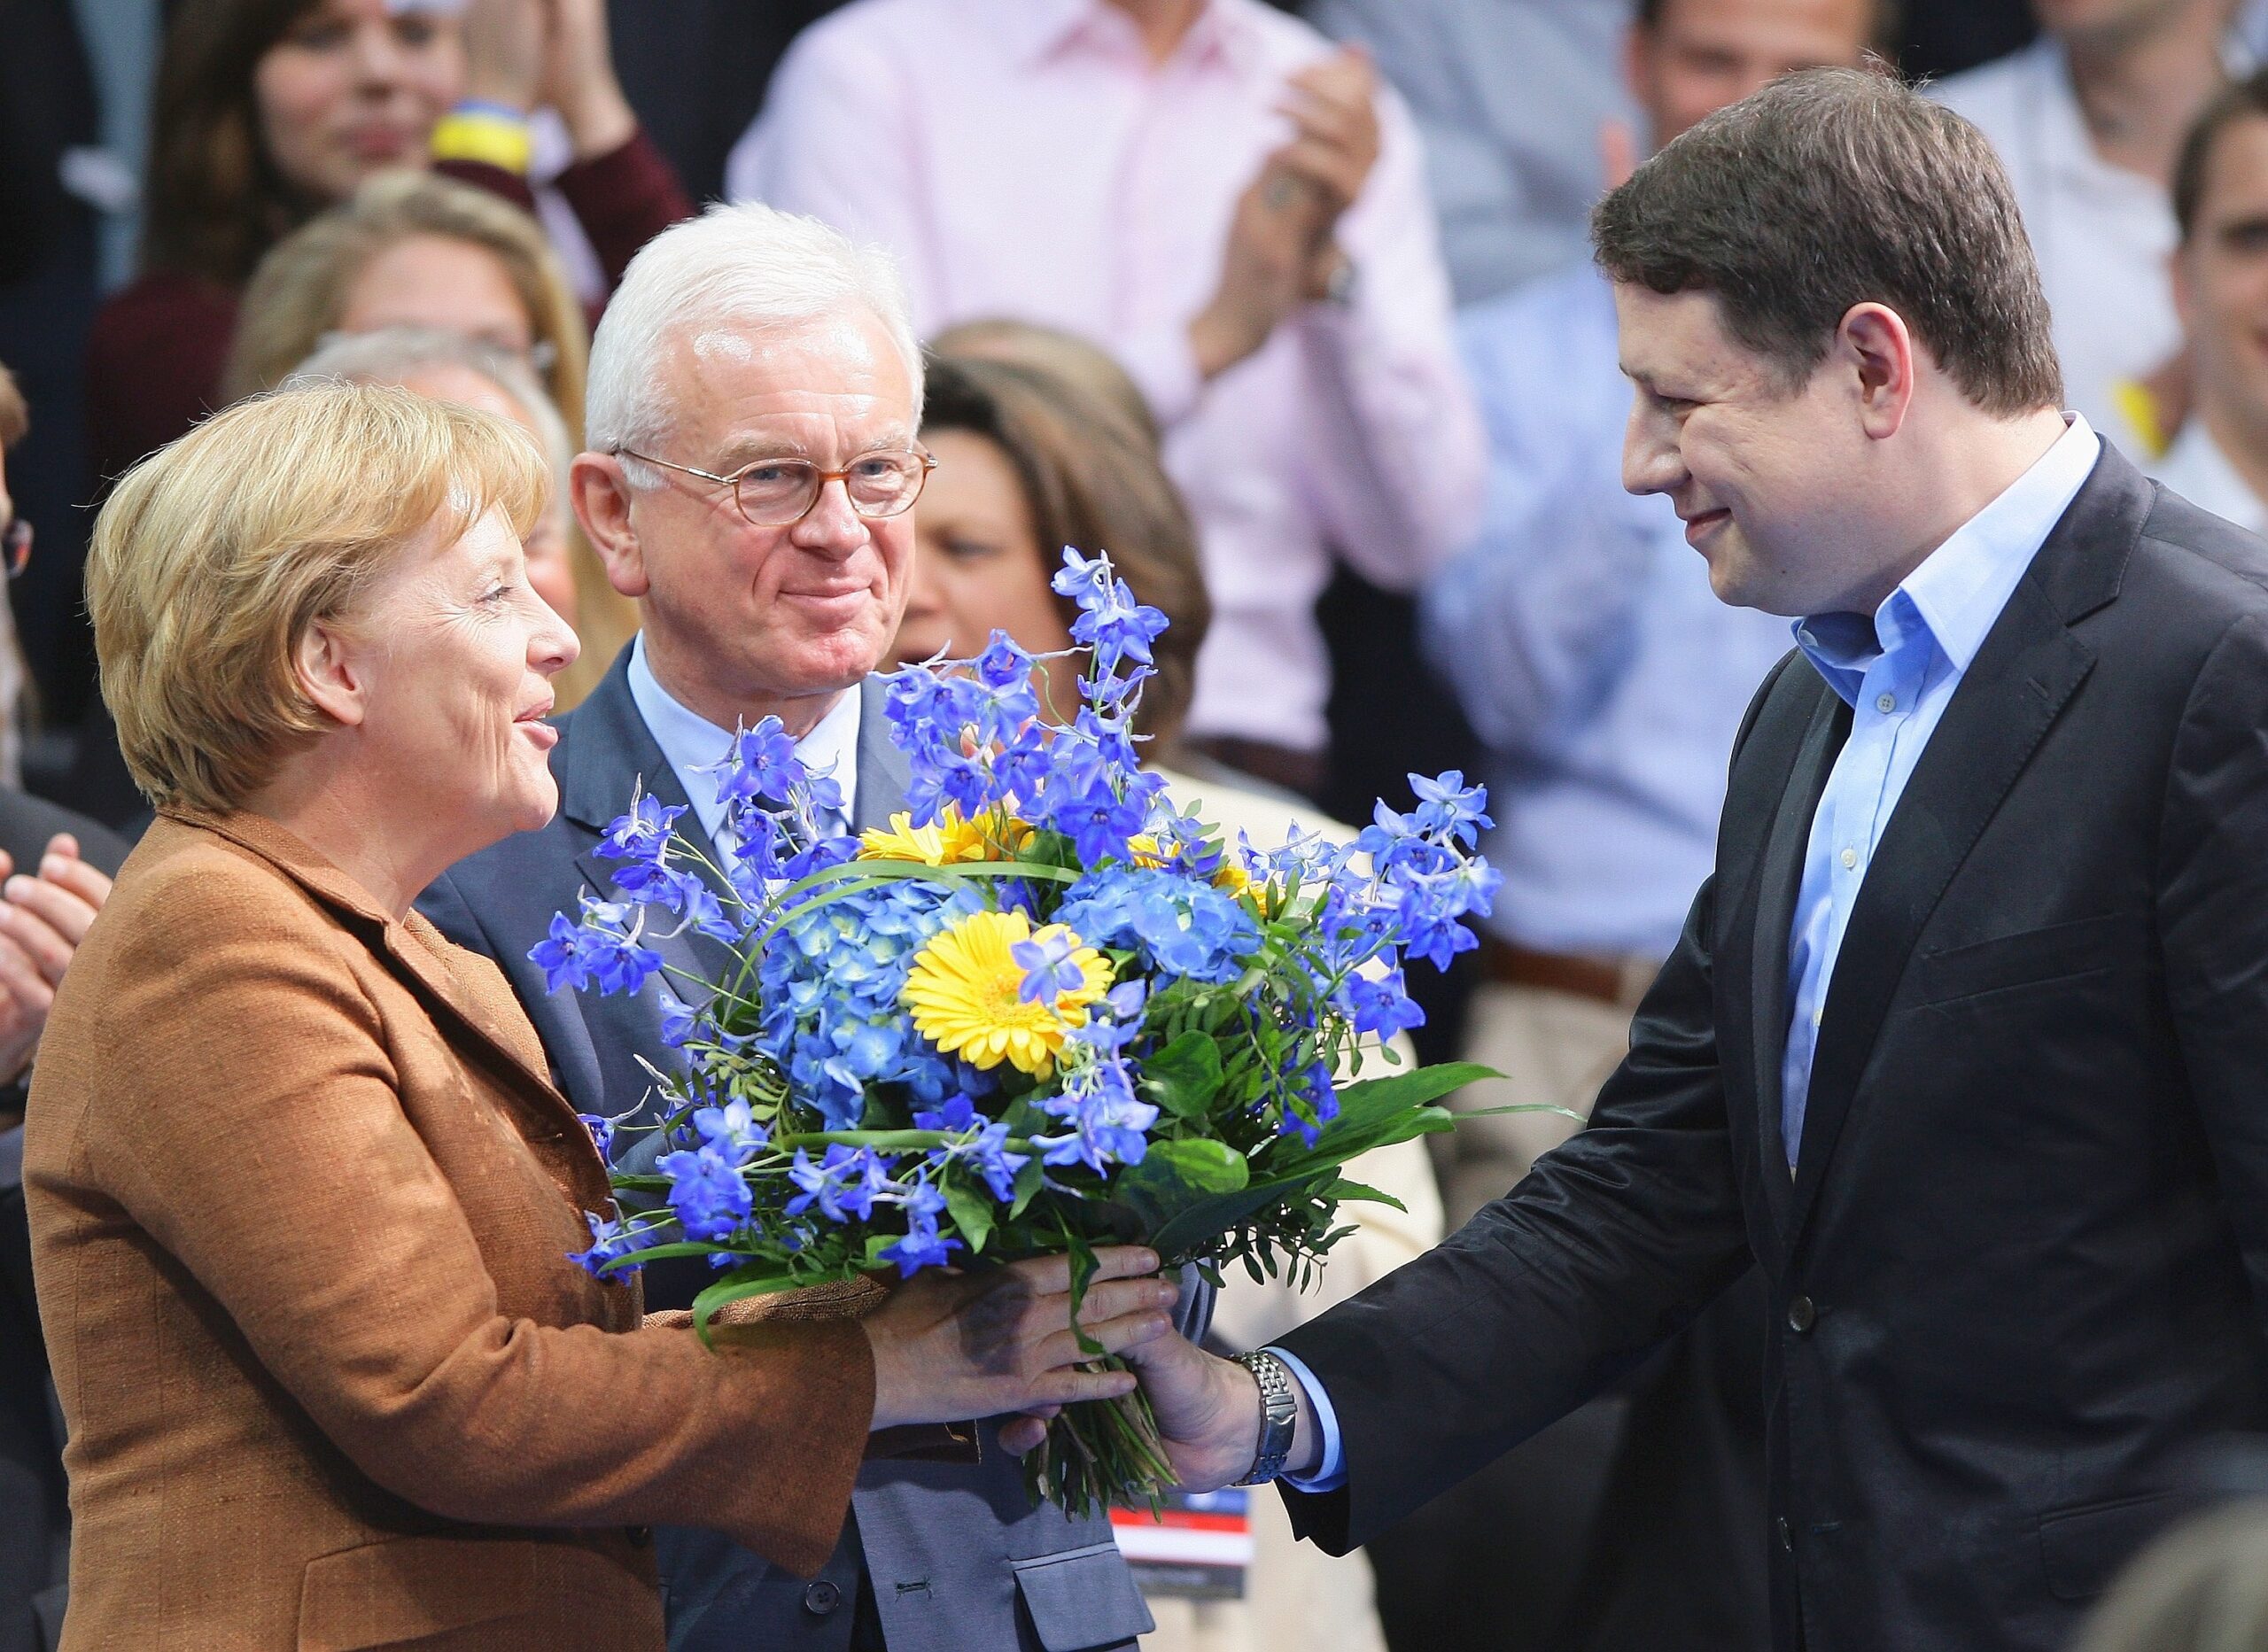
{"x":1035,"y":451}
{"x":269,"y":111}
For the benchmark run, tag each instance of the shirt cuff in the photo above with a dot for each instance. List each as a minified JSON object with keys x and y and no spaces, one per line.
{"x":1331,"y":1474}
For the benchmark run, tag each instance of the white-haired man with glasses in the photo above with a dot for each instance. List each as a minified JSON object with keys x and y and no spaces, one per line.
{"x":755,"y":394}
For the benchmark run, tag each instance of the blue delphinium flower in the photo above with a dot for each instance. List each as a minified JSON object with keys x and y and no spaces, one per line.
{"x":922,"y":1247}
{"x":642,"y":841}
{"x":1107,"y":1120}
{"x":706,"y":1191}
{"x":844,"y":1184}
{"x":982,"y":1146}
{"x":732,"y":1130}
{"x":1312,"y":1104}
{"x":759,"y":766}
{"x":602,"y":952}
{"x":1450,"y":809}
{"x":609,"y":1243}
{"x":1380,"y":1005}
{"x":602,"y":1131}
{"x":1050,"y":969}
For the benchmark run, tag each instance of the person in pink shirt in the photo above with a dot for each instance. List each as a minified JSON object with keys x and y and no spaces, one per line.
{"x":1232,"y":205}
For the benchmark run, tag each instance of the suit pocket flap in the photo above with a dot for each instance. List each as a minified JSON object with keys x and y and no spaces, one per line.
{"x":1082,"y":1598}
{"x":2084,"y":1547}
{"x":407,"y":1590}
{"x":2057,"y":952}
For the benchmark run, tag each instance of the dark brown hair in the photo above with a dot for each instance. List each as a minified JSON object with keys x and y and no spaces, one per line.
{"x":2246,"y":99}
{"x":1091,"y":481}
{"x":215,"y":201}
{"x":1833,"y":188}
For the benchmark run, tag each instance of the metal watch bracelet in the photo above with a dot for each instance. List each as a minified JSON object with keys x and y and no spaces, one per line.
{"x":1278,"y":1409}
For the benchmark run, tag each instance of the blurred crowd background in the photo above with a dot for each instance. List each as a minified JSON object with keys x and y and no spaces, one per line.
{"x":1293,"y":303}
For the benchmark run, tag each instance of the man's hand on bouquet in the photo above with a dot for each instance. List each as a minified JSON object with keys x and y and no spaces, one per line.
{"x":42,"y":920}
{"x":948,"y":1346}
{"x":1208,"y":1411}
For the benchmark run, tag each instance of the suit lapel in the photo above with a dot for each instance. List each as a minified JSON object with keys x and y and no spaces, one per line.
{"x":883,"y":772}
{"x":1779,"y":880}
{"x":2012,"y":692}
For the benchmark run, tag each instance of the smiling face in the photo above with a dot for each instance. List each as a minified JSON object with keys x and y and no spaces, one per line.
{"x":742,"y":619}
{"x":437,"y":282}
{"x":355,"y":87}
{"x":1766,"y":478}
{"x":456,"y":654}
{"x":1705,"y":54}
{"x":981,"y":569}
{"x":2221,"y":282}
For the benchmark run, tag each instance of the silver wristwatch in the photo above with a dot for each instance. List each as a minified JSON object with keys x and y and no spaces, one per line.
{"x":1277,"y":1410}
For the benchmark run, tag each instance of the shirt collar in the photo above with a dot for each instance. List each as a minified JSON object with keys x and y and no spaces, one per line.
{"x":691,"y":742}
{"x":1035,"y":30}
{"x":1955,"y":595}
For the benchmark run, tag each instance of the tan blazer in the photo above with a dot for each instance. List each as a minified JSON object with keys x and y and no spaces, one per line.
{"x":301,"y":1199}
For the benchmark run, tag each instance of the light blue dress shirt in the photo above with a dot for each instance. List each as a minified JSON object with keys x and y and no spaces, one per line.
{"x":692,"y":742}
{"x":1604,"y":679}
{"x":1897,"y":674}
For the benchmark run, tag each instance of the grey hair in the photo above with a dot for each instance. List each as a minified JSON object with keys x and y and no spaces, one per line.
{"x":391,"y":354}
{"x":749,"y":266}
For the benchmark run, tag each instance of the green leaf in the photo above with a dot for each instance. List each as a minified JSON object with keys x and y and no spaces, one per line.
{"x":971,"y":1210}
{"x":753,"y":1281}
{"x":1175,"y":1177}
{"x":1030,"y":1180}
{"x":1343,"y":1190}
{"x":1184,"y":1077}
{"x":1083,"y":1272}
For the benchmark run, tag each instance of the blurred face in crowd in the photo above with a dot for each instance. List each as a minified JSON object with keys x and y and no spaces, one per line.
{"x":355,"y":87}
{"x":1767,"y":480}
{"x":738,"y":614}
{"x":549,"y":573}
{"x":1705,"y":54}
{"x":437,"y":282}
{"x":2221,"y":285}
{"x":981,"y":568}
{"x":450,"y":658}
{"x":2112,"y":22}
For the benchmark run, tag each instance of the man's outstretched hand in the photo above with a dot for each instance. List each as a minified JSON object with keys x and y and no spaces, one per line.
{"x":1209,"y":1410}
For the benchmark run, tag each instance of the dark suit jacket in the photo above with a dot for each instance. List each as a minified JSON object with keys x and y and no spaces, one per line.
{"x":2017,"y":1273}
{"x":955,"y":1555}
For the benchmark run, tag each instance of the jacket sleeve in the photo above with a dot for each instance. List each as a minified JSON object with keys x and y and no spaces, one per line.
{"x":262,"y":1141}
{"x":1613,"y":1242}
{"x":2212,"y":910}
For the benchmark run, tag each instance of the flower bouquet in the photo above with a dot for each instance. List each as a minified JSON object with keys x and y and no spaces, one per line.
{"x":1042,"y":1010}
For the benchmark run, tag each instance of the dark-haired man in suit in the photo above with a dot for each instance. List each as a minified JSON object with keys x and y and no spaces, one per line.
{"x":1962,"y":1045}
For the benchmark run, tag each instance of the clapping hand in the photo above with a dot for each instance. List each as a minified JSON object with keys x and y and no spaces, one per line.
{"x":949,"y":1347}
{"x":532,"y":54}
{"x":42,"y":920}
{"x":1281,"y":251}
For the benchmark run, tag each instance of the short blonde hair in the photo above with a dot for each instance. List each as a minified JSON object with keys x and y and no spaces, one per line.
{"x":213,"y":555}
{"x":299,"y":290}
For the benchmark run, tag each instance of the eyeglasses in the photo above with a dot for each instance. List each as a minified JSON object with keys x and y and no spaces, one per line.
{"x":776,"y":492}
{"x":16,"y":546}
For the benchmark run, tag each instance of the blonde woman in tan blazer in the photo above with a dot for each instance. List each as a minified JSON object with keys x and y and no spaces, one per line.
{"x":301,"y":1195}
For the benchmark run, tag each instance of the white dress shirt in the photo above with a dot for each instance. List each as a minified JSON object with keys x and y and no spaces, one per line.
{"x":691,"y":742}
{"x":2196,"y":468}
{"x":1024,"y":159}
{"x":2102,"y":234}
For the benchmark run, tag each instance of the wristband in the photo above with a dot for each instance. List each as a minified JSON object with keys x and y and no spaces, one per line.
{"x":1278,"y":1410}
{"x":480,"y":132}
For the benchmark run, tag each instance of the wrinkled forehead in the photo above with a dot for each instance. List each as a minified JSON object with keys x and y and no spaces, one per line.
{"x":830,"y":381}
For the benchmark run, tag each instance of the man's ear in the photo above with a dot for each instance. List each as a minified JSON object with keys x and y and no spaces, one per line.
{"x":1879,"y":351}
{"x":330,"y":674}
{"x":601,"y":494}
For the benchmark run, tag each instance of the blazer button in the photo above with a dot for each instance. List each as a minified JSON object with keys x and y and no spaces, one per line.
{"x":821,"y":1598}
{"x":639,"y":1536}
{"x":1787,"y":1538}
{"x":1802,"y":1315}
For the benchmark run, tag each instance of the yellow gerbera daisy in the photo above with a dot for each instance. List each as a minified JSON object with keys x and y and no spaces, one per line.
{"x":947,"y":839}
{"x":965,"y":991}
